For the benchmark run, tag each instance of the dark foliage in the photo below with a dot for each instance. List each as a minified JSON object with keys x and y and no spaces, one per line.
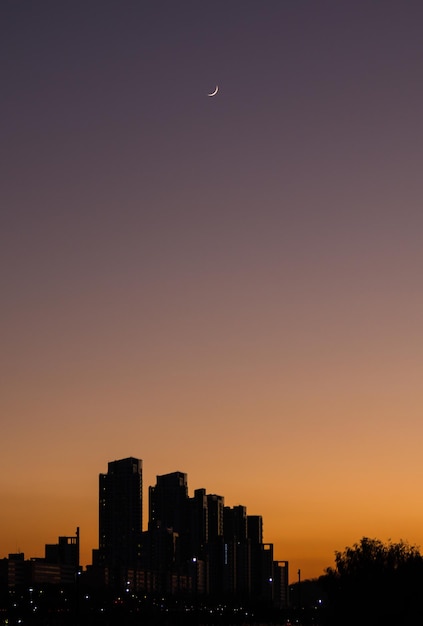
{"x":375,"y":583}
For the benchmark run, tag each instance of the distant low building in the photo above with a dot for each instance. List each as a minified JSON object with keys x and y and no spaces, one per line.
{"x":59,"y":565}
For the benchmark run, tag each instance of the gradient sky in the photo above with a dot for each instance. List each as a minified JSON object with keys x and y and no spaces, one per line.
{"x":228,"y":287}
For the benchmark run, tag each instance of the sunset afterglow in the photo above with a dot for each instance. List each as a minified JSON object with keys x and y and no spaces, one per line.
{"x":225,"y":286}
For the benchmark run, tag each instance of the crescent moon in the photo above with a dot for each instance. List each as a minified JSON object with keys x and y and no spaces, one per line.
{"x":213,"y":93}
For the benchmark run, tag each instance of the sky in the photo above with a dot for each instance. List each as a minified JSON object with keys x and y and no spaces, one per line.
{"x":226,"y":286}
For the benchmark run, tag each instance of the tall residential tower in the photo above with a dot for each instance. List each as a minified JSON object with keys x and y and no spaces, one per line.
{"x":120,"y":514}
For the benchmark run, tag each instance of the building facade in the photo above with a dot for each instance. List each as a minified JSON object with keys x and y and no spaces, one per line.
{"x":120,"y":516}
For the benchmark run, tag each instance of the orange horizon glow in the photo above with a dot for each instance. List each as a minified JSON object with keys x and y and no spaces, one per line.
{"x":304,"y":520}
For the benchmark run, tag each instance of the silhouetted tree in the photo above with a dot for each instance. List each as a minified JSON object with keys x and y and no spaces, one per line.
{"x":375,"y":583}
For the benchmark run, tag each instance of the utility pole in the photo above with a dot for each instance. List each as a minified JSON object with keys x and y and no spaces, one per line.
{"x":299,"y":590}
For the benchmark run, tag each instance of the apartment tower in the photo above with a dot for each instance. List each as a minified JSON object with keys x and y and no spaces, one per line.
{"x":120,"y":514}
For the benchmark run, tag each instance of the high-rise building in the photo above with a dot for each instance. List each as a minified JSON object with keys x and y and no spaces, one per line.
{"x":120,"y":515}
{"x":237,"y":571}
{"x":255,"y":528}
{"x":215,"y":506}
{"x":168,"y":502}
{"x":198,"y":523}
{"x":167,"y":543}
{"x":235,"y":523}
{"x":216,"y":549}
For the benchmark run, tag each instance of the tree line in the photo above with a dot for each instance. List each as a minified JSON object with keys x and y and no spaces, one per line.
{"x":372,"y":583}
